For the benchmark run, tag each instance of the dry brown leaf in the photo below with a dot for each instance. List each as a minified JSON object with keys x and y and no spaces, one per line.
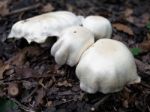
{"x":128,"y":15}
{"x":3,"y":68}
{"x":145,"y":46}
{"x":124,"y":28}
{"x":1,"y":63}
{"x":128,"y":12}
{"x":143,"y":67}
{"x":4,"y":9}
{"x":142,"y":20}
{"x":20,"y":58}
{"x":25,"y":72}
{"x":47,"y":8}
{"x":40,"y":95}
{"x":17,"y":60}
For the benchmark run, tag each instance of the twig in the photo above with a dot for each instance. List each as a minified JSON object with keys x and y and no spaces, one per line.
{"x":28,"y":96}
{"x":24,"y":9}
{"x":97,"y":104}
{"x":63,"y":102}
{"x":28,"y":78}
{"x":145,"y":85}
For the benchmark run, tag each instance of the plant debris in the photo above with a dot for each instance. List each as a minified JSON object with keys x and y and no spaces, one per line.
{"x":30,"y":80}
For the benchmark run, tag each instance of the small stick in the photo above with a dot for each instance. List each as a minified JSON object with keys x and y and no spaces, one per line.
{"x":34,"y":90}
{"x":97,"y":104}
{"x":24,"y":9}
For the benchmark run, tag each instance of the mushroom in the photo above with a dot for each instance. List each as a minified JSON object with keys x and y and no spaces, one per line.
{"x":72,"y":43}
{"x":107,"y":66}
{"x":40,"y":27}
{"x":100,"y":26}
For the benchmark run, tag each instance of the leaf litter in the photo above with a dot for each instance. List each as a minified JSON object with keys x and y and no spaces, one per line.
{"x":32,"y":80}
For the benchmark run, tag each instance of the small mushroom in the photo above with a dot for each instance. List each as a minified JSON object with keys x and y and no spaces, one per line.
{"x":13,"y":89}
{"x":40,"y":27}
{"x":72,"y":43}
{"x":107,"y":66}
{"x":100,"y":26}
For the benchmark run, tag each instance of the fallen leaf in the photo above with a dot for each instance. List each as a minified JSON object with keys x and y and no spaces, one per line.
{"x":145,"y":46}
{"x":128,"y":12}
{"x":49,"y":83}
{"x":75,"y":88}
{"x":32,"y":51}
{"x":40,"y":95}
{"x":28,"y":85}
{"x":17,"y":60}
{"x":20,"y":58}
{"x":130,"y":19}
{"x":8,"y":105}
{"x":4,"y":9}
{"x":25,"y":72}
{"x":125,"y":104}
{"x":123,"y":28}
{"x":143,"y":67}
{"x":1,"y":63}
{"x":143,"y":20}
{"x":128,"y":15}
{"x":47,"y":8}
{"x":3,"y":68}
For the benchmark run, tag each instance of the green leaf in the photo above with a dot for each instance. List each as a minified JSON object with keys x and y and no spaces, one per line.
{"x":135,"y":51}
{"x":7,"y":105}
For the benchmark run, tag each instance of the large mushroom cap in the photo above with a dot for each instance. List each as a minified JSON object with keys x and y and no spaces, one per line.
{"x":100,"y":26}
{"x":40,"y":27}
{"x":107,"y":66}
{"x":72,"y":43}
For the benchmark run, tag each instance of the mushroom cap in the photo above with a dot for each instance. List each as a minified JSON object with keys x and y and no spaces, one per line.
{"x":72,"y":43}
{"x":100,"y":26}
{"x":38,"y":28}
{"x":107,"y":66}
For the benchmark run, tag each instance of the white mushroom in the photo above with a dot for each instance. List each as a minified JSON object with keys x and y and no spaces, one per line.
{"x":38,"y":28}
{"x":72,"y":43}
{"x":100,"y":26}
{"x":107,"y":66}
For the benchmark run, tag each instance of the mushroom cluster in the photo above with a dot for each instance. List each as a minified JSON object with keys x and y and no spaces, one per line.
{"x":102,"y":64}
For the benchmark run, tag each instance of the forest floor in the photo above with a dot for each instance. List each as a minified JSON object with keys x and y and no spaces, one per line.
{"x":30,"y":80}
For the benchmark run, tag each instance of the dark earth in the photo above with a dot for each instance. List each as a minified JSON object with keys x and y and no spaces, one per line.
{"x":31,"y":81}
